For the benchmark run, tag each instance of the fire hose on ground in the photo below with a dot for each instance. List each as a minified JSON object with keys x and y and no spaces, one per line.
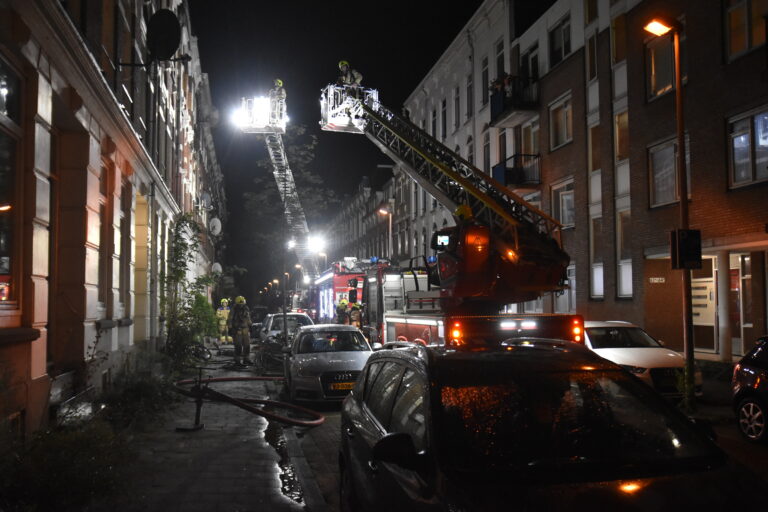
{"x":201,"y":390}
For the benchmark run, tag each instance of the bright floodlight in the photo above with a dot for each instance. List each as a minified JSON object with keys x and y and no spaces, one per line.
{"x":260,"y":115}
{"x":315,"y":244}
{"x":291,"y":244}
{"x":307,"y":279}
{"x":657,"y":27}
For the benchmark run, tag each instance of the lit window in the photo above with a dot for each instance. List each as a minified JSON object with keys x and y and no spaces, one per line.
{"x":745,"y":26}
{"x":560,"y":123}
{"x":562,"y":203}
{"x":10,"y":134}
{"x":559,"y":42}
{"x":749,"y":149}
{"x":663,"y":173}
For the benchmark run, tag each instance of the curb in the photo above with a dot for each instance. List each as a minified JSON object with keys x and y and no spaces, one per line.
{"x":312,"y":495}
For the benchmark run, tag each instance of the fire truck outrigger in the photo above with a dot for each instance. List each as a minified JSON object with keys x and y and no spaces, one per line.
{"x":502,"y":250}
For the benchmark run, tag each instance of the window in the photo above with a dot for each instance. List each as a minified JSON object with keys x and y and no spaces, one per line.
{"x":500,"y":59}
{"x":594,"y":147}
{"x":486,"y":152}
{"x":443,"y":119}
{"x":621,"y":129}
{"x":596,"y":257}
{"x":434,"y":123}
{"x":126,"y":200}
{"x":502,"y":145}
{"x":408,"y":412}
{"x":660,"y":64}
{"x":470,"y":96}
{"x":559,"y":42}
{"x":560,"y":123}
{"x":749,"y":149}
{"x":530,"y":136}
{"x":382,"y":393}
{"x":624,"y":253}
{"x":484,"y":81}
{"x":745,"y":26}
{"x":456,"y":108}
{"x":566,"y":301}
{"x":562,"y":203}
{"x":618,"y":39}
{"x":592,"y":58}
{"x":663,"y":173}
{"x":10,"y":133}
{"x":529,"y":64}
{"x":470,"y":151}
{"x":590,"y":11}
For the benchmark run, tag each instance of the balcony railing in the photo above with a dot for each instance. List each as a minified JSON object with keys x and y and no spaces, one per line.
{"x":517,"y":171}
{"x":513,"y":94}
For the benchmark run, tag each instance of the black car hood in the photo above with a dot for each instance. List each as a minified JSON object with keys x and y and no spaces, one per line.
{"x":725,"y":488}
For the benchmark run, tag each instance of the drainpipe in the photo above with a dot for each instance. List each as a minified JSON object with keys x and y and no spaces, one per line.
{"x":153,"y":296}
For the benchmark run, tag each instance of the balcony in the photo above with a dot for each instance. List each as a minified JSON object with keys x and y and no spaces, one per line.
{"x":519,"y":172}
{"x":513,"y":100}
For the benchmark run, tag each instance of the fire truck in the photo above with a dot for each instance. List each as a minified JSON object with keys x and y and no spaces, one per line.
{"x":503,"y":250}
{"x":335,"y":284}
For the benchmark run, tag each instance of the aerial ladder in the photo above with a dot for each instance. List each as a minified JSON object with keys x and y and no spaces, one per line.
{"x":265,"y":115}
{"x":505,"y":251}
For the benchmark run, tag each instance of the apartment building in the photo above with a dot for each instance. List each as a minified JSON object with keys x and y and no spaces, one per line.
{"x":100,"y":153}
{"x":572,"y":107}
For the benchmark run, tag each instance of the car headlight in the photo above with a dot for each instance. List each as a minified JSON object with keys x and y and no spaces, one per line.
{"x":637,"y":370}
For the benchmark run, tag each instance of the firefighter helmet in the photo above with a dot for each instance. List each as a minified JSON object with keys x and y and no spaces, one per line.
{"x":464,"y":212}
{"x":224,"y":302}
{"x":278,"y":82}
{"x":343,"y":63}
{"x":343,"y":302}
{"x":239,"y":299}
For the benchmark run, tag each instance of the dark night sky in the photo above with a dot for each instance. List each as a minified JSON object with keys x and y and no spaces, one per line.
{"x":245,"y":44}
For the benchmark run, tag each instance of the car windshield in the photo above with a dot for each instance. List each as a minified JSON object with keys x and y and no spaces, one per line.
{"x":560,"y":425}
{"x":293,"y":321}
{"x":620,"y":337}
{"x":332,"y":341}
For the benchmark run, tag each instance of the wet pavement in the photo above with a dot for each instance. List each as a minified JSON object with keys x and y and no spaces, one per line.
{"x":237,"y":462}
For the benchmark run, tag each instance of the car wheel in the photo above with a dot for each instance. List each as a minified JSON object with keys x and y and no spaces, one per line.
{"x":347,"y":499}
{"x":751,"y":415}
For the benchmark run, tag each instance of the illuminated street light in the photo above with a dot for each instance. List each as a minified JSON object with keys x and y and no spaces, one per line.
{"x":660,"y":26}
{"x":307,"y":279}
{"x":388,"y":212}
{"x":316,"y":244}
{"x":291,"y":243}
{"x":298,"y":265}
{"x":276,"y":281}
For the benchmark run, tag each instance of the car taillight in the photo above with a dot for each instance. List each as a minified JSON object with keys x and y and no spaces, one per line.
{"x":736,"y":370}
{"x":456,"y":335}
{"x":577,"y":331}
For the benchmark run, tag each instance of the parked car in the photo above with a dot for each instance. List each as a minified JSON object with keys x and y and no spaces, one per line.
{"x":324,"y":361}
{"x":541,"y":425}
{"x":272,"y":326}
{"x":635,"y":350}
{"x":750,"y":392}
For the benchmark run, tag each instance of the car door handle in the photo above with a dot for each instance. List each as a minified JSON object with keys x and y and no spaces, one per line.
{"x":350,"y":433}
{"x":372,"y":466}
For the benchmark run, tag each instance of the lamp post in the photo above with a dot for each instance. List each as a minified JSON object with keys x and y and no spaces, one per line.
{"x":388,"y":212}
{"x":658,"y":27}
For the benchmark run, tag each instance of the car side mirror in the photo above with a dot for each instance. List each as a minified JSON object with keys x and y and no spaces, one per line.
{"x":661,"y":343}
{"x":376,"y":346}
{"x":397,"y":448}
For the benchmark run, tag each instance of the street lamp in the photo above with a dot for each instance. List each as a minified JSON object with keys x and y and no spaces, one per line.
{"x":660,"y":26}
{"x":388,"y":212}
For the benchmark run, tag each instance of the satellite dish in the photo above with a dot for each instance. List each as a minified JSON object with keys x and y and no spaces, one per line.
{"x":163,"y":35}
{"x":215,"y":226}
{"x":216,"y":268}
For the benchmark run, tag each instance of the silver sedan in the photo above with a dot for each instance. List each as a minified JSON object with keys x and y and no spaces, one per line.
{"x":324,"y":361}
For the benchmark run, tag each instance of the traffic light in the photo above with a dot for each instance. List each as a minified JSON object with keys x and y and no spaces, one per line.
{"x":685,"y":248}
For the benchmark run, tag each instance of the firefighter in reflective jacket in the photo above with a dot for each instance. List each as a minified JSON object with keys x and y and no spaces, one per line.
{"x":347,"y":75}
{"x":277,"y":101}
{"x":356,"y":315}
{"x":222,"y":313}
{"x":342,"y":314}
{"x":239,"y":322}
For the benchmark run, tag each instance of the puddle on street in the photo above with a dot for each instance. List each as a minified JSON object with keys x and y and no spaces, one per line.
{"x":290,"y":486}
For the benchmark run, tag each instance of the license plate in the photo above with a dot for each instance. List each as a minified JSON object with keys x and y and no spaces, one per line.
{"x":342,"y":385}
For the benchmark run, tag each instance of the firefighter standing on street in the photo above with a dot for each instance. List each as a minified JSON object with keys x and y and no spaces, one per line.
{"x":342,"y":314}
{"x":356,"y":315}
{"x":222,"y":313}
{"x":239,"y":323}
